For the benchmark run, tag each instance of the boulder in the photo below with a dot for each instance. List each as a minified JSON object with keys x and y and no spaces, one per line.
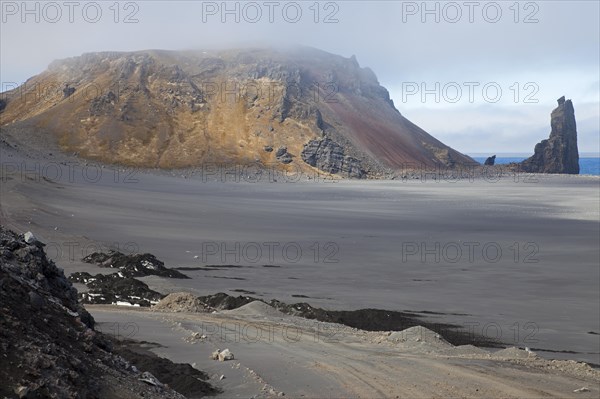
{"x":215,"y":354}
{"x":225,"y":355}
{"x":30,"y":238}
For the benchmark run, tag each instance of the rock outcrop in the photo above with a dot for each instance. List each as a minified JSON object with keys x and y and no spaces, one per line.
{"x":330,"y":157}
{"x":490,"y":161}
{"x":114,"y":289}
{"x":558,"y":153}
{"x":122,"y":287}
{"x":48,"y":345}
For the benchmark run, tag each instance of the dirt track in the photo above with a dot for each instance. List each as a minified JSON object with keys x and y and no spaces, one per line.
{"x":304,"y":358}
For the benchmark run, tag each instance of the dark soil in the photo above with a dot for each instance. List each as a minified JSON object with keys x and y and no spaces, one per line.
{"x":178,"y":376}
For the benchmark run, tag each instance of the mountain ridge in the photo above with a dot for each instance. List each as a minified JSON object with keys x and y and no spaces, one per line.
{"x":171,"y":109}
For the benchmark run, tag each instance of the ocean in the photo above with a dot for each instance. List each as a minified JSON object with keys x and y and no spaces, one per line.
{"x":587,"y":165}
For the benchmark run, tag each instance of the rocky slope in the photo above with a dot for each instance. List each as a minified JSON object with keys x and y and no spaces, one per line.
{"x":183,"y":109}
{"x":48,"y":345}
{"x":558,"y":153}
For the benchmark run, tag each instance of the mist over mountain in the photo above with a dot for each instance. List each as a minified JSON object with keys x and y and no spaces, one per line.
{"x":298,"y":108}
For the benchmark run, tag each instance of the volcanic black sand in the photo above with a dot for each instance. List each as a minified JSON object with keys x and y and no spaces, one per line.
{"x":364,"y":245}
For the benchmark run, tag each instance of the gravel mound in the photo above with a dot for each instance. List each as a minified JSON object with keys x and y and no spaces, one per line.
{"x":180,"y":302}
{"x":513,"y":353}
{"x":256,"y":308}
{"x":464,"y":350}
{"x":419,"y":335}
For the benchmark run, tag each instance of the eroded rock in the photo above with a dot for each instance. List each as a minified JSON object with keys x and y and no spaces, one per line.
{"x":490,"y":161}
{"x":330,"y":157}
{"x":558,"y":153}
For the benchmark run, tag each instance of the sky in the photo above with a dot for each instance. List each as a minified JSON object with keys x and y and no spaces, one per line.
{"x":481,"y":76}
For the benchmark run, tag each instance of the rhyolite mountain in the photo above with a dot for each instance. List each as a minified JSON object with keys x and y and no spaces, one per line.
{"x":296,"y":109}
{"x":558,"y":153}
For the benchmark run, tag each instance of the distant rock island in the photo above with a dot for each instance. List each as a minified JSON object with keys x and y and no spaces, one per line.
{"x":490,"y":161}
{"x":558,"y":153}
{"x":180,"y":109}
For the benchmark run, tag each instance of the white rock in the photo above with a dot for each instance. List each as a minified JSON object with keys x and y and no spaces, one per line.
{"x":215,"y":354}
{"x":582,"y":389}
{"x":30,"y":238}
{"x":148,"y":378}
{"x":224,"y":355}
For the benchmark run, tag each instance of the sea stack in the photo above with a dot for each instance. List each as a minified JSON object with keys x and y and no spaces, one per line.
{"x":558,"y":153}
{"x":490,"y":161}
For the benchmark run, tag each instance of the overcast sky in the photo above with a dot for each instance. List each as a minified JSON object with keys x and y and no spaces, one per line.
{"x":480,"y":76}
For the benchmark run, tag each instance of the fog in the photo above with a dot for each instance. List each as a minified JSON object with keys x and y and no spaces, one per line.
{"x":480,"y":76}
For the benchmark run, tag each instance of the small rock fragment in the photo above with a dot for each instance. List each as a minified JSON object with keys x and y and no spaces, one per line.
{"x":582,"y":389}
{"x":30,"y":238}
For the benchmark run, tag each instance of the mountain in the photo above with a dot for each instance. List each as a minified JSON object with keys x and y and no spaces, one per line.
{"x":297,"y":109}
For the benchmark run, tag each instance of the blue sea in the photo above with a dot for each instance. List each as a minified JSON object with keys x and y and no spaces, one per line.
{"x":587,"y":165}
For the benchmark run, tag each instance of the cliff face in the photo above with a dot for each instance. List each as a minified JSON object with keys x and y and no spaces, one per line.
{"x":179,"y":109}
{"x":558,"y":153}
